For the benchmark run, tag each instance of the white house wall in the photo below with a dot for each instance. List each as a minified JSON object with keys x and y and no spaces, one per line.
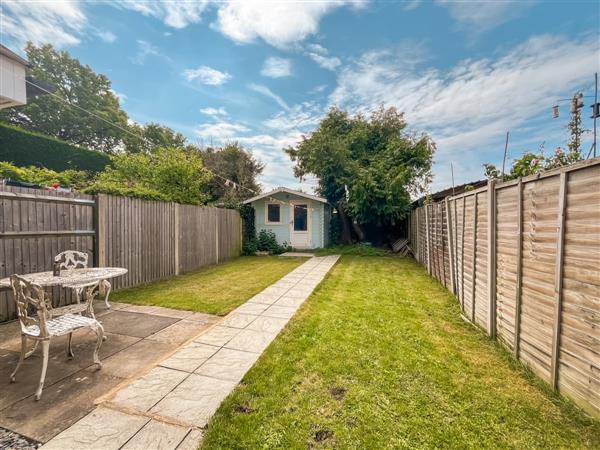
{"x":12,"y":83}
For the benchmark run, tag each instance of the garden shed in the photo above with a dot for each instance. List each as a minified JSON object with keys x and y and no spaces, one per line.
{"x":297,"y":218}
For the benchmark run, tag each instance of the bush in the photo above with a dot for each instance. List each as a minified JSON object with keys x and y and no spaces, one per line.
{"x":168,"y":174}
{"x":267,"y":242}
{"x":44,"y":177}
{"x":27,"y":148}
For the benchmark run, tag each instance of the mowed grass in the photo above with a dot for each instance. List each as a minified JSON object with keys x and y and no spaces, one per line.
{"x":378,"y":357}
{"x":214,"y":289}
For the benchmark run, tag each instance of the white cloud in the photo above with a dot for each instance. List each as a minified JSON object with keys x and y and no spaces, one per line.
{"x":484,"y":15}
{"x":122,"y":97}
{"x":106,"y":36}
{"x":302,"y":117}
{"x":320,"y":55}
{"x":220,"y":131}
{"x":277,"y":23}
{"x":207,"y":75}
{"x":214,"y":111}
{"x":176,"y":14}
{"x":275,"y":67}
{"x":59,"y":22}
{"x":145,"y":49}
{"x":264,"y":90}
{"x":470,"y":107}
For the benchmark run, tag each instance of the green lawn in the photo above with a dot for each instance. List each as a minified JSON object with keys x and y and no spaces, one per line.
{"x":378,"y":357}
{"x":214,"y":289}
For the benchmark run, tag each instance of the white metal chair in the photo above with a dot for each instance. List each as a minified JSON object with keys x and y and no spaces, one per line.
{"x":72,"y":259}
{"x":34,"y":310}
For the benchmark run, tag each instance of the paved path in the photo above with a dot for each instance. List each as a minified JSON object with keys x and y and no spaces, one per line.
{"x":168,"y":407}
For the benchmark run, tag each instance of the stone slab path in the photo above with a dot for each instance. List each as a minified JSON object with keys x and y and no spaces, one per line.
{"x":167,"y":408}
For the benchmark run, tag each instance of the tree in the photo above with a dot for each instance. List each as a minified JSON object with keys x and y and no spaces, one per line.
{"x":575,"y":125}
{"x":77,"y":84}
{"x":168,"y":174}
{"x":234,"y":163}
{"x":367,"y":167}
{"x":152,"y":136}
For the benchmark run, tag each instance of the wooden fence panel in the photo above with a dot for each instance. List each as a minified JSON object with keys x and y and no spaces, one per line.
{"x":540,"y":213}
{"x":481,"y":257}
{"x":579,"y":358}
{"x":507,"y":241}
{"x":545,"y":270}
{"x":35,"y":226}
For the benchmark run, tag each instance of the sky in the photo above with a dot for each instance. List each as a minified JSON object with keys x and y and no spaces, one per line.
{"x":264,"y":73}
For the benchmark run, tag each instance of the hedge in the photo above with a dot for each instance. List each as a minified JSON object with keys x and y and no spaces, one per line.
{"x":26,"y":148}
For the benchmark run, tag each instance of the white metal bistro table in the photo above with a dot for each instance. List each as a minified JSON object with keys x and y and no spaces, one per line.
{"x":69,"y":276}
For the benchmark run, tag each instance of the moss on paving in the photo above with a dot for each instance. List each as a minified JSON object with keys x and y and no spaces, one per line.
{"x":214,"y":289}
{"x":378,"y":357}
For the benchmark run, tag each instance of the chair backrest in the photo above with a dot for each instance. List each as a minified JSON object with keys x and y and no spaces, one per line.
{"x":72,"y":259}
{"x":32,"y":304}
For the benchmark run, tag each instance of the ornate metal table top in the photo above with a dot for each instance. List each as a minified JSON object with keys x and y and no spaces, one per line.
{"x":70,"y":277}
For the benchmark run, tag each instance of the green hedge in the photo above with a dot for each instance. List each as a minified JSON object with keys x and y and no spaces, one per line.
{"x":26,"y":148}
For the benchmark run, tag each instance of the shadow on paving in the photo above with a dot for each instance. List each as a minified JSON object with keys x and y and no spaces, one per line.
{"x":137,"y":338}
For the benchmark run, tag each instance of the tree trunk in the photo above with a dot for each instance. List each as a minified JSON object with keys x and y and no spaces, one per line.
{"x":346,"y":233}
{"x":359,"y":231}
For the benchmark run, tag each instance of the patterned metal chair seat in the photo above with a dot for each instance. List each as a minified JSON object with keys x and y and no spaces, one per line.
{"x":62,"y":325}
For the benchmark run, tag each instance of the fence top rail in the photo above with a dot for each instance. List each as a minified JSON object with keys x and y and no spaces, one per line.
{"x":45,"y":198}
{"x":551,"y":173}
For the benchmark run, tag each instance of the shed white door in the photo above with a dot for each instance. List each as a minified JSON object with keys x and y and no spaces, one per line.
{"x":300,"y":225}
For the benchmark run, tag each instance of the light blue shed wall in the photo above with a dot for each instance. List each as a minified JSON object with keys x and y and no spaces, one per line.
{"x":282,"y":231}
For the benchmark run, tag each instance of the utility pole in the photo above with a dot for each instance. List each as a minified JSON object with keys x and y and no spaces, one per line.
{"x":504,"y":158}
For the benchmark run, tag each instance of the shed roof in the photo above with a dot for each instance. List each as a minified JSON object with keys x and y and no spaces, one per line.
{"x":288,"y":191}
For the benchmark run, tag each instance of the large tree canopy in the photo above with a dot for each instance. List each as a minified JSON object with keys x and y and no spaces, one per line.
{"x":236,"y":164}
{"x":367,"y":167}
{"x":79,"y":85}
{"x":152,"y":136}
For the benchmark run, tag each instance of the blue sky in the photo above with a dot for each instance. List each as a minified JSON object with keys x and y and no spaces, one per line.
{"x":263,"y":73}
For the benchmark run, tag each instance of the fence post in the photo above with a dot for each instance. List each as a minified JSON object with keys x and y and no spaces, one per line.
{"x":217,"y":218}
{"x":450,"y":246}
{"x":474,"y":265}
{"x":491,"y":275}
{"x":519,"y":280}
{"x":427,"y":239}
{"x":100,"y":227}
{"x":176,"y":237}
{"x":562,"y":200}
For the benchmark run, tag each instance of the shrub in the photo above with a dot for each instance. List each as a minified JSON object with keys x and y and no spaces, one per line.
{"x":267,"y":242}
{"x":27,"y":148}
{"x":168,"y":174}
{"x":44,"y":177}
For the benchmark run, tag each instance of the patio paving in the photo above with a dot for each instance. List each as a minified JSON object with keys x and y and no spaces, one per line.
{"x":169,"y":405}
{"x":138,"y":337}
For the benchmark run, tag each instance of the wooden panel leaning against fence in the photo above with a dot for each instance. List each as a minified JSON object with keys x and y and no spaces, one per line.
{"x":153,"y":240}
{"x":539,"y":244}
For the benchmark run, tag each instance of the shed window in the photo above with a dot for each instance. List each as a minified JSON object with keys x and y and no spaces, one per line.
{"x":273,"y":213}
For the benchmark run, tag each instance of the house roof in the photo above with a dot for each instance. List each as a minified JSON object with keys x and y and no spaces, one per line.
{"x":456,"y":190}
{"x":287,"y":191}
{"x":12,"y":55}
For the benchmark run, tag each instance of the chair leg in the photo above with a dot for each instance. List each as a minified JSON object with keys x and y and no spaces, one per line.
{"x":107,"y":288}
{"x":69,"y":349}
{"x":22,"y":356}
{"x":30,"y":352}
{"x":45,"y":350}
{"x":99,"y":330}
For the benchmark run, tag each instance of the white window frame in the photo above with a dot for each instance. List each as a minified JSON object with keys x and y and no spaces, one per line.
{"x":267,"y":222}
